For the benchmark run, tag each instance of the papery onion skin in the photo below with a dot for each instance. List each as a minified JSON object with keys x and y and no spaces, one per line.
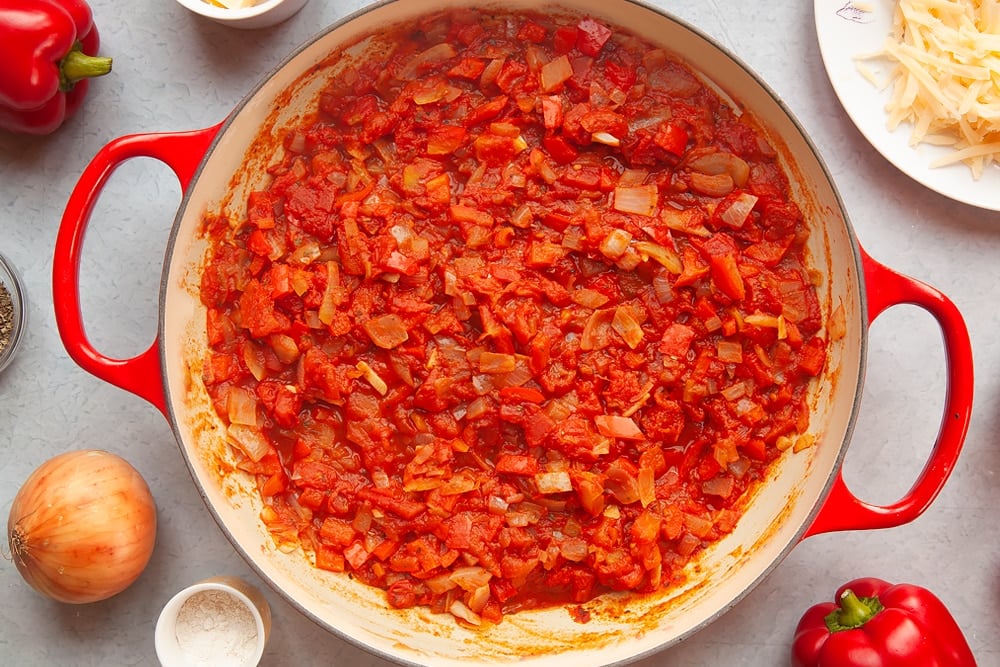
{"x":82,"y":527}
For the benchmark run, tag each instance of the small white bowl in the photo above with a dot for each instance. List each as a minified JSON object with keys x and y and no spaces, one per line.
{"x":12,"y":285}
{"x":222,"y":622}
{"x":263,"y":15}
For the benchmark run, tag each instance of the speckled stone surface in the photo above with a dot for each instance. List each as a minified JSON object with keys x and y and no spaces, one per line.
{"x":174,"y":71}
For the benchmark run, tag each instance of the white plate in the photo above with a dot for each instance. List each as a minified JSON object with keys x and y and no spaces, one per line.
{"x":845,"y":32}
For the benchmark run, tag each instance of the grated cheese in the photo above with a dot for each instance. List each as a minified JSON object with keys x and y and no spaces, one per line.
{"x":945,"y":77}
{"x":235,"y":4}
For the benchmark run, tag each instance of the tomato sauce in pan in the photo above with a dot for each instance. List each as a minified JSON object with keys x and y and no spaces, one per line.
{"x":521,"y":316}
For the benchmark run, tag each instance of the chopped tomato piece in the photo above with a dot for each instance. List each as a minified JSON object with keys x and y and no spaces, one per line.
{"x":615,"y":426}
{"x":672,"y":138}
{"x":591,"y":36}
{"x":516,"y":464}
{"x":468,"y":68}
{"x":564,"y":39}
{"x":445,"y":139}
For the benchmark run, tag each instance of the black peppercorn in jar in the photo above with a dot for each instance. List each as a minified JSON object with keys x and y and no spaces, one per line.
{"x":13,"y":312}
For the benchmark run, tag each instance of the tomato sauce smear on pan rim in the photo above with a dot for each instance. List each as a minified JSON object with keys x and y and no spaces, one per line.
{"x":521,"y":317}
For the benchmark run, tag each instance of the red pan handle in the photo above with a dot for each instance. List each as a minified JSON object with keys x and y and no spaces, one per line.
{"x":182,"y":152}
{"x":842,"y":510}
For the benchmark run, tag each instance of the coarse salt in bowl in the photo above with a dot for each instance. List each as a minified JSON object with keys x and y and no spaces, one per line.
{"x":264,"y":14}
{"x":218,"y":622}
{"x":13,"y":312}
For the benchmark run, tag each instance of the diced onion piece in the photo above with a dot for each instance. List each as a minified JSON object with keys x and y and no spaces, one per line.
{"x":698,"y":526}
{"x":734,"y":391}
{"x":450,"y":283}
{"x":554,"y":73}
{"x":627,"y":327}
{"x":483,"y":384}
{"x":301,"y":281}
{"x":574,"y":549}
{"x":305,"y":254}
{"x":762,"y":320}
{"x":373,"y":378}
{"x":730,"y":352}
{"x":431,"y":93}
{"x":441,"y":583}
{"x":664,"y":256}
{"x":458,"y":609}
{"x":573,"y":238}
{"x":249,"y":440}
{"x":504,"y":129}
{"x":387,"y":331}
{"x":632,"y":177}
{"x":516,"y":377}
{"x":254,"y":360}
{"x":722,"y":163}
{"x":497,"y":505}
{"x":331,"y":294}
{"x":553,"y":482}
{"x":471,"y":577}
{"x":718,"y":486}
{"x":558,"y":409}
{"x":588,"y":298}
{"x":461,"y":482}
{"x":637,"y":199}
{"x":597,"y":331}
{"x":607,"y":139}
{"x":522,"y":217}
{"x":241,"y":406}
{"x":711,"y":185}
{"x":496,"y":362}
{"x":735,"y":215}
{"x":435,"y":54}
{"x":662,"y":288}
{"x":647,"y":485}
{"x":478,"y":598}
{"x":615,"y":243}
{"x":285,"y":348}
{"x":615,"y":426}
{"x":688,"y":220}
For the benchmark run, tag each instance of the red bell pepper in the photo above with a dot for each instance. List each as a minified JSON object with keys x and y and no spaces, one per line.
{"x":48,"y":49}
{"x":878,"y":624}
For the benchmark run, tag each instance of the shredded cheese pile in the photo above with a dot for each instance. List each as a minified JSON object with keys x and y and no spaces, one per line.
{"x":945,"y":75}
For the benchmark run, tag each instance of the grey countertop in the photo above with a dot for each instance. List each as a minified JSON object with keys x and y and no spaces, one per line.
{"x":175,"y":71}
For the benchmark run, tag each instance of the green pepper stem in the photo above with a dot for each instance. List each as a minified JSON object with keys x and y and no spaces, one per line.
{"x":853,"y":612}
{"x":77,"y":65}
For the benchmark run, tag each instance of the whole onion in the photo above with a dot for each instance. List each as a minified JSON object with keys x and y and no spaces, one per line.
{"x":82,"y":527}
